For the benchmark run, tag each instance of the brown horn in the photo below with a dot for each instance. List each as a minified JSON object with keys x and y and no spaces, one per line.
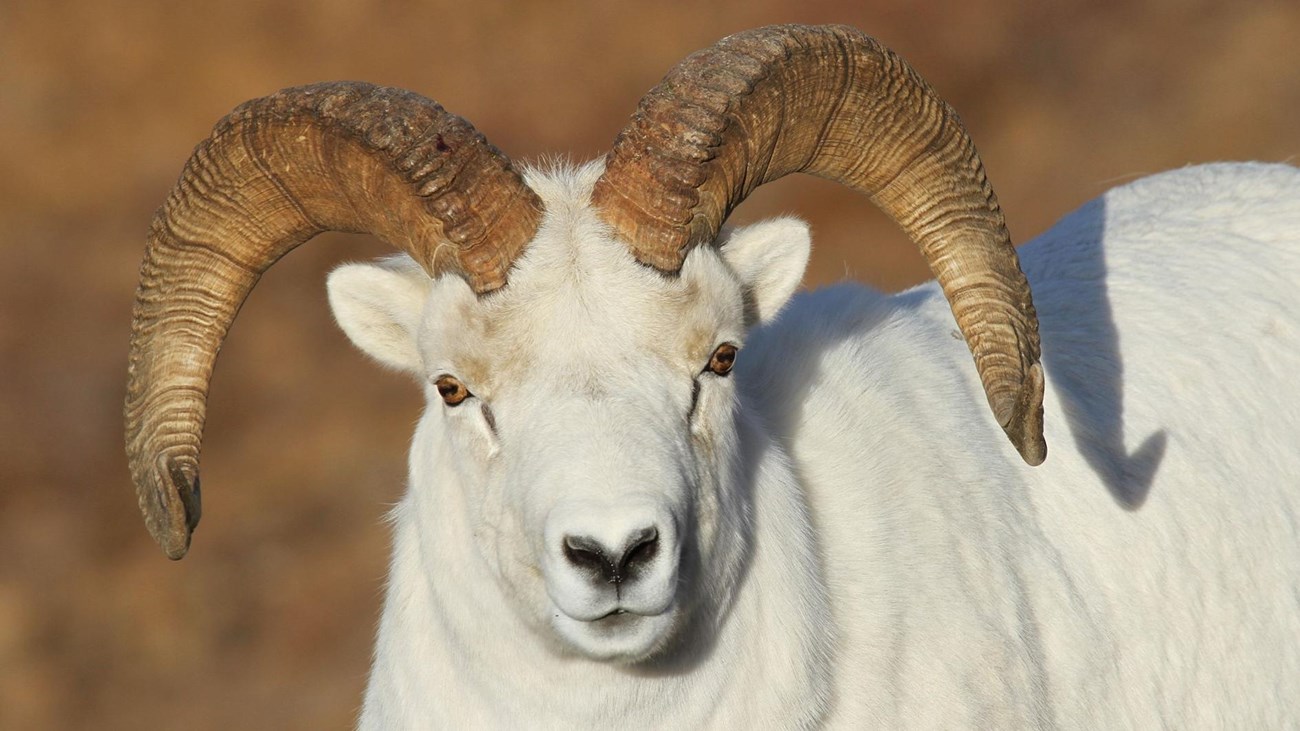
{"x":831,"y":102}
{"x":274,"y":173}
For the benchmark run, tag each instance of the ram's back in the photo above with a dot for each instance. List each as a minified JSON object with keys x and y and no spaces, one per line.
{"x":1150,"y":569}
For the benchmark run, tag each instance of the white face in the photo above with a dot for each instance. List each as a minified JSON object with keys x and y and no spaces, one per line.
{"x":587,"y":414}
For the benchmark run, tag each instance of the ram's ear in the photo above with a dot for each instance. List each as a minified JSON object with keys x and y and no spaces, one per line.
{"x":769,"y":258}
{"x":379,"y":307}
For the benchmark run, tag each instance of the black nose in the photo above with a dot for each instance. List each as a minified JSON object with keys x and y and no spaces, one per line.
{"x":613,"y":566}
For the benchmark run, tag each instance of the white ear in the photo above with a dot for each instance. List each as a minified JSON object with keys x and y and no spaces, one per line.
{"x":769,"y":257}
{"x":379,"y":308}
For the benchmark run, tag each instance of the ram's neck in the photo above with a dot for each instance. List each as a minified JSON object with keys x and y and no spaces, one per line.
{"x":452,"y":651}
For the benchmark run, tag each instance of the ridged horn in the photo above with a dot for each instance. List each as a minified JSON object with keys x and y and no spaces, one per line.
{"x":275,"y":172}
{"x":832,"y":102}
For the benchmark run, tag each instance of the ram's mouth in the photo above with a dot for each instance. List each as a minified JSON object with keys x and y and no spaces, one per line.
{"x":620,"y":635}
{"x":616,"y":620}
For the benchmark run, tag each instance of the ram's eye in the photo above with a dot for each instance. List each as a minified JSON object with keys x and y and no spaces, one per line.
{"x":722,"y":359}
{"x":453,"y":392}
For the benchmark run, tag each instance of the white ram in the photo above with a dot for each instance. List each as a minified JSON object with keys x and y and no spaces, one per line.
{"x":606,"y":527}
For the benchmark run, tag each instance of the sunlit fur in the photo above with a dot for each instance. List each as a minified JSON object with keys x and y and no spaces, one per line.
{"x":859,"y":546}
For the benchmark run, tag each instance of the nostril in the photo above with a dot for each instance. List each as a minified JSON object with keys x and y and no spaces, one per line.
{"x":592,"y":557}
{"x":588,"y":555}
{"x":641,"y":550}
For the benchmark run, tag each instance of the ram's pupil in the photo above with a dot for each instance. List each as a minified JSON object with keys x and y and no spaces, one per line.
{"x":723,"y":359}
{"x":451,"y":390}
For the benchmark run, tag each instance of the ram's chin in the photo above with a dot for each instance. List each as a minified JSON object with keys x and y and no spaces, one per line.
{"x":622,"y":638}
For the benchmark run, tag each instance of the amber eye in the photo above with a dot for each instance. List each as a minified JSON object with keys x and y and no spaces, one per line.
{"x":452,"y":390}
{"x":722,"y":359}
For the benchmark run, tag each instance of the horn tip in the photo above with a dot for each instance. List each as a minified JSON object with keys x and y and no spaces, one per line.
{"x":176,"y":549}
{"x":172,"y":506}
{"x":1033,"y":452}
{"x":1025,"y":427}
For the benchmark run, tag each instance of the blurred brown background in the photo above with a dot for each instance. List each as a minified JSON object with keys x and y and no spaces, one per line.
{"x":268,"y":623}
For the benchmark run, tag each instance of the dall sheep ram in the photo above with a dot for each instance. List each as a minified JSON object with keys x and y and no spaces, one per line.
{"x":608,"y":526}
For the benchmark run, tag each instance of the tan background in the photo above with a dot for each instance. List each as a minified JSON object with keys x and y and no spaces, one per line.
{"x":268,"y":623}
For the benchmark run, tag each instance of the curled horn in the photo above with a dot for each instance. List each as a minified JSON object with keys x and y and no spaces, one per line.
{"x":275,"y":172}
{"x":831,"y":102}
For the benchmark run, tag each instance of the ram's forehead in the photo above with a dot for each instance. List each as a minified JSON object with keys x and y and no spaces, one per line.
{"x":577,"y":301}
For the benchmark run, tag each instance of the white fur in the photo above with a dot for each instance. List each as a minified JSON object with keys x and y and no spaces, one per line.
{"x":859,"y":545}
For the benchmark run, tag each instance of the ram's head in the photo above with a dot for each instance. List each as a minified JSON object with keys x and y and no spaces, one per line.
{"x":574,"y":329}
